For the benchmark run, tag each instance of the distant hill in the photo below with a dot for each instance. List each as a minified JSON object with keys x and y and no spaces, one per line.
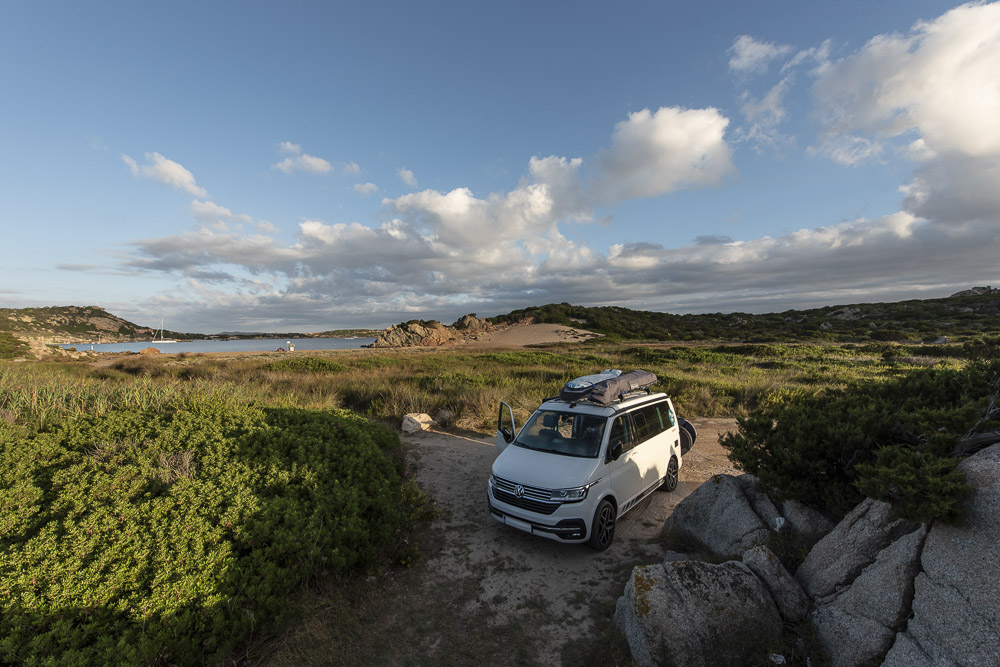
{"x":967,"y":314}
{"x":74,"y":323}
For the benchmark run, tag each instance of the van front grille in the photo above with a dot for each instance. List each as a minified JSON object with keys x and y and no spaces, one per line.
{"x":534,"y":499}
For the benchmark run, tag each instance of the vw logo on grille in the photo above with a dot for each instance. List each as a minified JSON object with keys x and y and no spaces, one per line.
{"x":519,"y":491}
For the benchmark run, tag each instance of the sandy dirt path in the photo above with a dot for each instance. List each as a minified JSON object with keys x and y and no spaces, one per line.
{"x":521,"y":335}
{"x":550,"y":589}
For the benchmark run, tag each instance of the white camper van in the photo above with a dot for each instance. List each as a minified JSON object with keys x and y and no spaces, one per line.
{"x":587,"y":457}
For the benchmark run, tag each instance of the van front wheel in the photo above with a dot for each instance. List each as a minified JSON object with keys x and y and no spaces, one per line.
{"x":602,"y":530}
{"x":670,"y":481}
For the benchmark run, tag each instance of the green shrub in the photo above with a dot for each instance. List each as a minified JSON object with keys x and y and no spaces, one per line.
{"x":525,"y":358}
{"x":920,"y":485}
{"x":306,"y":365}
{"x":885,"y":439}
{"x":11,"y":347}
{"x":170,"y":537}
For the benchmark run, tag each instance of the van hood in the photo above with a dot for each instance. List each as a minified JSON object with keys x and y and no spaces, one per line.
{"x":544,"y":469}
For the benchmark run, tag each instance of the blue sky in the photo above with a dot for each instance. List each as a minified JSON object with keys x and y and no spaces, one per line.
{"x":308,"y":166}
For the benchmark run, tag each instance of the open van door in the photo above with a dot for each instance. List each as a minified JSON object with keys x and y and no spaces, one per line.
{"x":506,"y":431}
{"x":688,"y":435}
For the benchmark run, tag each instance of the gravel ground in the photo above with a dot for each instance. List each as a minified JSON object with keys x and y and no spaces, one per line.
{"x":550,"y":588}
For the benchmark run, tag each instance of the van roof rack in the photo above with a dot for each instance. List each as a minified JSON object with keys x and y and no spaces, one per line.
{"x":604,"y":388}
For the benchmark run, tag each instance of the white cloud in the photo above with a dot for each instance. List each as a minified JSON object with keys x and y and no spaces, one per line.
{"x":939,"y":81}
{"x":402,"y":267}
{"x":166,"y":171}
{"x":265,"y":227}
{"x":563,"y":183}
{"x":763,"y":116}
{"x":849,"y":150}
{"x":750,"y":55}
{"x":299,"y":161}
{"x":933,"y":96}
{"x":407,"y":177}
{"x":817,"y":54}
{"x":365,"y":189}
{"x":351,"y":168}
{"x":454,"y":247}
{"x":216,"y":216}
{"x":955,"y":190}
{"x":653,"y":153}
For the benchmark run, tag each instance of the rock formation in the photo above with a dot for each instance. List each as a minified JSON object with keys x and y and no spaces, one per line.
{"x":852,"y":545}
{"x":433,"y":333}
{"x":792,"y":602}
{"x":859,"y":624}
{"x":956,"y":597}
{"x":696,"y":614}
{"x":416,"y":422}
{"x":725,"y":516}
{"x":876,"y":589}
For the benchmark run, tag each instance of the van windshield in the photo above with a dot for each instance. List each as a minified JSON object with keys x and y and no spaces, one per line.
{"x":563,"y":433}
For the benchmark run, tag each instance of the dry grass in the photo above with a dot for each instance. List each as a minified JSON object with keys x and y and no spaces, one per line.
{"x":387,"y":384}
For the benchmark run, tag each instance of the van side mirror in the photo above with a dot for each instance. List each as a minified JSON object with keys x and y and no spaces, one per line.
{"x":506,"y":429}
{"x":617,"y":449}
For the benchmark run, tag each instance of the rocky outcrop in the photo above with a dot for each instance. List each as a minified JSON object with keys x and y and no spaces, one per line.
{"x":791,"y":600}
{"x":409,"y":334}
{"x":471,"y":323}
{"x":71,"y":324}
{"x":852,"y":545}
{"x":41,"y":349}
{"x":725,"y":516}
{"x":956,"y":599}
{"x":807,"y":525}
{"x":977,"y":291}
{"x":847,"y":313}
{"x":876,"y":589}
{"x":696,"y":614}
{"x":858,"y":626}
{"x":416,"y":422}
{"x":432,"y":334}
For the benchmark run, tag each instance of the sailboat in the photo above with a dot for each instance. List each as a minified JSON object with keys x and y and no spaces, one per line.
{"x":161,"y":339}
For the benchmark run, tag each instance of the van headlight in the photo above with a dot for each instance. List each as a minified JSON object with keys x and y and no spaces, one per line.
{"x":573,"y":495}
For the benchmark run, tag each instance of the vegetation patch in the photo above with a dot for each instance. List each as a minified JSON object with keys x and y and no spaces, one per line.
{"x":891,"y":440}
{"x":306,"y":365}
{"x":960,"y":316}
{"x":525,"y":358}
{"x":171,"y":536}
{"x":11,"y":347}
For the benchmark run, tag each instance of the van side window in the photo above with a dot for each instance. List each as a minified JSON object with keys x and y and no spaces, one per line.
{"x":647,"y":422}
{"x":667,"y":418}
{"x":620,"y":431}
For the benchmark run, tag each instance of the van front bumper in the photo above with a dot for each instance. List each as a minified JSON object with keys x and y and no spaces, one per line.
{"x":566,"y":529}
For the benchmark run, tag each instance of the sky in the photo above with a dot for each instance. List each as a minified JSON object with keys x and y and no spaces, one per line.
{"x":306,"y":166}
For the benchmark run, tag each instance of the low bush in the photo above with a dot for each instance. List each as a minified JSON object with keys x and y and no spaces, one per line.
{"x":890,"y":440}
{"x":171,"y":536}
{"x":921,"y":485}
{"x":11,"y":347}
{"x":140,"y":366}
{"x":306,"y":365}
